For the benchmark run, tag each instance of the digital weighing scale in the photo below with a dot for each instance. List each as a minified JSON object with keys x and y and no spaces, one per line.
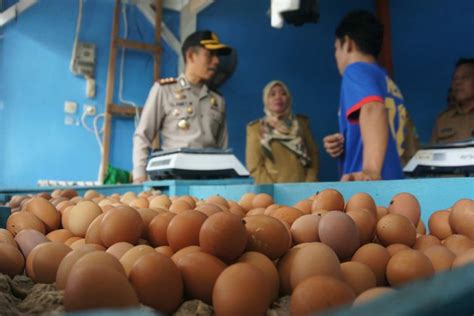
{"x":191,"y":163}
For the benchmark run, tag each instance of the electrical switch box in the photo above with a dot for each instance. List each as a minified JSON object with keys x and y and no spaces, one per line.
{"x":84,"y":59}
{"x":70,"y":107}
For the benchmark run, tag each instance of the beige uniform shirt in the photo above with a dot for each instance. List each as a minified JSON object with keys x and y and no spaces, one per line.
{"x":455,"y":124}
{"x":181,"y":116}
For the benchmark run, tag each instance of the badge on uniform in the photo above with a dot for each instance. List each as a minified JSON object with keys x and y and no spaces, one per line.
{"x":183,"y":124}
{"x":182,"y":82}
{"x":190,"y":110}
{"x":179,"y":95}
{"x":213,"y":101}
{"x":176,"y":112}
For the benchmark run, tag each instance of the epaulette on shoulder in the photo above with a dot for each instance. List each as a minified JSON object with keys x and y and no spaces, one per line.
{"x":165,"y":81}
{"x":253,"y":122}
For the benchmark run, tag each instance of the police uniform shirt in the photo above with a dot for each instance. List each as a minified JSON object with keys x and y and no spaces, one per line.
{"x":455,"y":124}
{"x":182,"y":116}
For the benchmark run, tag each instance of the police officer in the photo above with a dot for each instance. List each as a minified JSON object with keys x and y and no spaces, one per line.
{"x":457,"y":122}
{"x":184,"y":112}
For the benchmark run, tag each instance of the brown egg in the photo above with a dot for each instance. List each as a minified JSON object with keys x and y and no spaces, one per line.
{"x":165,"y":250}
{"x":287,"y":214}
{"x":394,"y":248}
{"x":119,"y":249}
{"x":314,"y":259}
{"x":158,"y":227}
{"x":362,"y":200}
{"x":267,"y":267}
{"x":381,"y":212}
{"x":200,"y":271}
{"x":160,"y":201}
{"x":93,"y":232}
{"x":461,"y":218}
{"x":65,"y":216}
{"x":129,"y":258}
{"x":256,"y":211}
{"x":69,"y":193}
{"x":365,"y":223}
{"x":246,"y":201}
{"x":140,"y":202}
{"x":223,"y":235}
{"x":358,"y":276}
{"x":421,"y":228}
{"x":188,"y":199}
{"x":304,"y":206}
{"x":439,"y":224}
{"x":408,"y":265}
{"x":128,"y":197}
{"x":305,"y":229}
{"x":458,"y":243}
{"x":72,"y":240}
{"x":63,"y":205}
{"x":97,"y":258}
{"x":184,"y":251}
{"x":396,"y":229}
{"x":78,"y":243}
{"x":76,"y":199}
{"x":183,"y":229}
{"x":217,"y":199}
{"x":269,"y":209}
{"x":18,"y":221}
{"x":122,"y":223}
{"x":464,"y":258}
{"x":319,"y":293}
{"x":376,"y":257}
{"x":179,"y":206}
{"x":81,"y":216}
{"x":267,"y":235}
{"x":90,"y":194}
{"x":7,"y":237}
{"x":241,"y":290}
{"x":208,"y":209}
{"x":426,"y":241}
{"x":328,"y":199}
{"x":372,"y":294}
{"x":441,"y":257}
{"x":338,"y":231}
{"x":12,"y":261}
{"x":157,"y":282}
{"x":43,"y":261}
{"x":94,"y":287}
{"x":45,"y":211}
{"x":237,"y":210}
{"x":147,"y":216}
{"x":406,"y":204}
{"x":60,"y":235}
{"x":262,"y":200}
{"x":284,"y":268}
{"x":28,"y":239}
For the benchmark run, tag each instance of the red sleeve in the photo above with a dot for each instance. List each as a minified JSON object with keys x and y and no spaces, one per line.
{"x":352,"y":114}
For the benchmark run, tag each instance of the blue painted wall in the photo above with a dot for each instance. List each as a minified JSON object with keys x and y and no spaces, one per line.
{"x":35,"y":79}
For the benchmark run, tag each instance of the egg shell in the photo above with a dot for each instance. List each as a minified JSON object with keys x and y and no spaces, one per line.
{"x":18,"y":221}
{"x":314,"y":259}
{"x":81,"y":216}
{"x":96,"y":258}
{"x":60,"y":235}
{"x":208,"y":209}
{"x":458,"y":243}
{"x":140,"y":202}
{"x":90,"y":194}
{"x":421,"y":228}
{"x":394,"y":248}
{"x":160,"y":201}
{"x":129,"y":258}
{"x":262,"y":200}
{"x":464,"y":259}
{"x":72,"y":240}
{"x":284,"y":268}
{"x":45,"y":211}
{"x":78,"y":243}
{"x":43,"y":261}
{"x":69,"y":193}
{"x":268,"y":268}
{"x":328,"y":199}
{"x":188,"y":199}
{"x":376,"y":258}
{"x":119,"y":249}
{"x":271,"y":208}
{"x":319,"y":293}
{"x":461,"y":218}
{"x":165,"y":250}
{"x":305,"y":229}
{"x":396,"y":229}
{"x":93,"y":232}
{"x":122,"y":223}
{"x":426,"y":241}
{"x":358,"y":276}
{"x":126,"y":198}
{"x":183,"y":229}
{"x":200,"y":271}
{"x":147,"y":215}
{"x":362,"y":200}
{"x":365,"y":223}
{"x":179,"y":206}
{"x":408,"y":265}
{"x":219,"y":200}
{"x":184,"y":251}
{"x":439,"y":224}
{"x":406,"y":204}
{"x":223,"y":235}
{"x":441,"y":257}
{"x":237,"y":210}
{"x":256,"y":211}
{"x":66,"y":265}
{"x":7,"y":237}
{"x":381,"y":212}
{"x":241,"y":290}
{"x":372,"y":294}
{"x":157,"y":282}
{"x":94,"y":287}
{"x":246,"y":201}
{"x":287,"y":214}
{"x":267,"y":235}
{"x":158,"y":227}
{"x":28,"y":239}
{"x":338,"y":231}
{"x":304,"y":206}
{"x":12,"y":262}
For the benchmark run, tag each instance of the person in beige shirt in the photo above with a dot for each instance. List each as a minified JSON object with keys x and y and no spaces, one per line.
{"x":280,"y":146}
{"x":183,"y":112}
{"x":456,"y":123}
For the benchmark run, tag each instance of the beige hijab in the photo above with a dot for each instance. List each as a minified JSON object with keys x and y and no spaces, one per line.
{"x":282,"y":127}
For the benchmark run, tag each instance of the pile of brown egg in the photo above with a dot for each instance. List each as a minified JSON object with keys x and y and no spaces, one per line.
{"x":240,"y":257}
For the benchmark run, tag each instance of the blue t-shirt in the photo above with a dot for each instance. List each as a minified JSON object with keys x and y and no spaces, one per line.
{"x":363,"y":83}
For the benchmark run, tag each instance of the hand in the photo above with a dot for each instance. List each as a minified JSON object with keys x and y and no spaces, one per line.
{"x":334,"y":144}
{"x":363,"y":175}
{"x":139,"y":180}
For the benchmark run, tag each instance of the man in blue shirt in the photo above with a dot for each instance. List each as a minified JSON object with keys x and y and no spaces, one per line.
{"x":372,"y":115}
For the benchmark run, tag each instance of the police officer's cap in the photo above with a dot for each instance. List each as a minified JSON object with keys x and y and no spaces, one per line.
{"x":206,"y":39}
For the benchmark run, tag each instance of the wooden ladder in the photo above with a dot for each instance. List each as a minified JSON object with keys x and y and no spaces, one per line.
{"x":120,"y":110}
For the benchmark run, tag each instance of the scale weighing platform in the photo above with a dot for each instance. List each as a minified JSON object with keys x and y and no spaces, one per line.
{"x":456,"y":159}
{"x":191,"y":163}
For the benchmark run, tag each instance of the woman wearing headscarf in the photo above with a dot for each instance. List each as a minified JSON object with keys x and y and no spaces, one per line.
{"x":280,"y":146}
